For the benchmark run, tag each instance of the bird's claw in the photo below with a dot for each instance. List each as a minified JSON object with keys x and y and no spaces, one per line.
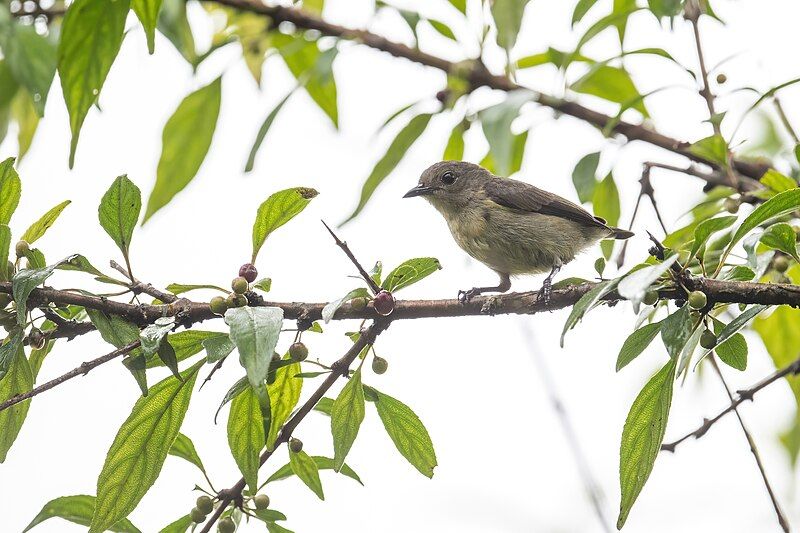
{"x":543,"y":297}
{"x":464,"y":297}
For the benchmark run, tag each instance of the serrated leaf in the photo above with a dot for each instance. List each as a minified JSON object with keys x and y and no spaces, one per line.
{"x":17,"y":380}
{"x":77,"y":509}
{"x":732,"y":352}
{"x":91,"y":36}
{"x":394,"y":154}
{"x":584,"y":176}
{"x":254,"y":331}
{"x":636,"y":343}
{"x":184,"y":144}
{"x":347,"y":414}
{"x":642,"y":436}
{"x":25,"y":281}
{"x":147,"y":11}
{"x":586,"y":303}
{"x":676,"y":330}
{"x":323,"y":463}
{"x":246,"y":437}
{"x":407,"y":432}
{"x":119,"y":211}
{"x":781,"y":237}
{"x":183,"y":447}
{"x":276,"y":211}
{"x":10,"y":190}
{"x":284,"y":393}
{"x":779,"y":205}
{"x":706,"y":228}
{"x":140,"y":448}
{"x":306,"y":469}
{"x":186,"y":344}
{"x":410,"y":272}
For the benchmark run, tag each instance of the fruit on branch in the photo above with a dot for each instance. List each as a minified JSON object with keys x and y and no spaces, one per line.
{"x":697,"y":299}
{"x":36,"y":338}
{"x":226,"y":525}
{"x":731,"y":205}
{"x":721,"y":78}
{"x":236,"y":300}
{"x":218,"y":305}
{"x":239,"y":285}
{"x":205,"y":504}
{"x":708,"y":340}
{"x":781,"y":263}
{"x":384,"y":303}
{"x":359,"y":304}
{"x":249,"y":272}
{"x":379,"y":365}
{"x":295,"y":445}
{"x":197,"y":516}
{"x":650,"y":298}
{"x":298,"y":352}
{"x":261,"y":501}
{"x":22,"y":248}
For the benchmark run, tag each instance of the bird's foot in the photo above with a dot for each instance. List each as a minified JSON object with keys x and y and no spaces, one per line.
{"x":465,"y":297}
{"x":543,"y":297}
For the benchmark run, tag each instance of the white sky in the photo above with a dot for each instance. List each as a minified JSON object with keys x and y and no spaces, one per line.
{"x":504,"y":464}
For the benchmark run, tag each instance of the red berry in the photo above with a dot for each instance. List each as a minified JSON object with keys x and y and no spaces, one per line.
{"x":249,"y":272}
{"x":384,"y":303}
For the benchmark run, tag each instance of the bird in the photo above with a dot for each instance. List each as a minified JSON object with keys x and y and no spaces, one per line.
{"x":512,"y":227}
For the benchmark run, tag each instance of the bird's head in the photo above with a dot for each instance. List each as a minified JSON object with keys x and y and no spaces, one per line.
{"x":450,"y":184}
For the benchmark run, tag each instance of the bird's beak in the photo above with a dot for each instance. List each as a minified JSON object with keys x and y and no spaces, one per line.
{"x":419,"y":190}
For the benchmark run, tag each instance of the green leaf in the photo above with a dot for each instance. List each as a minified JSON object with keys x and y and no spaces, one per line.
{"x":10,"y":190}
{"x":665,"y":8}
{"x":324,"y":405}
{"x":461,"y":5}
{"x":313,"y":68}
{"x":781,"y":237}
{"x":781,"y":337}
{"x":713,"y":149}
{"x":331,"y":307}
{"x":735,"y":325}
{"x":114,"y":329}
{"x":276,"y":211}
{"x":79,"y":510}
{"x":306,"y":469}
{"x":254,"y":331}
{"x":323,"y":463}
{"x":264,"y":284}
{"x":347,"y":414}
{"x":442,"y":28}
{"x":8,"y":350}
{"x":636,"y":343}
{"x":396,"y":151}
{"x":284,"y":393}
{"x":587,"y":302}
{"x":739,"y":273}
{"x":636,"y":284}
{"x":611,"y":83}
{"x":140,"y":448}
{"x":23,"y":283}
{"x":706,"y":228}
{"x":91,"y":36}
{"x":181,"y":525}
{"x":410,"y":272}
{"x":507,"y":16}
{"x":246,"y":436}
{"x":584,"y":176}
{"x":183,"y":447}
{"x":184,"y":144}
{"x":37,"y":357}
{"x":779,"y":205}
{"x":235,"y":390}
{"x":174,"y":25}
{"x":18,"y":380}
{"x":777,"y":181}
{"x":152,"y":338}
{"x":147,"y":11}
{"x":496,"y":122}
{"x":676,"y":330}
{"x":31,"y":58}
{"x":186,"y":344}
{"x":732,"y":352}
{"x":407,"y":432}
{"x":5,"y":249}
{"x":262,"y":132}
{"x":180,"y":288}
{"x":218,"y":347}
{"x":606,"y":205}
{"x":581,"y":8}
{"x":269,"y":515}
{"x":454,"y":150}
{"x":642,"y":436}
{"x":119,"y":211}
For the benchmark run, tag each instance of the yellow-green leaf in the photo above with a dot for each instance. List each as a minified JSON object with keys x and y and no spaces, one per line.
{"x":17,"y":380}
{"x":346,"y":417}
{"x":38,"y":228}
{"x":306,"y":469}
{"x":284,"y":393}
{"x":246,"y":436}
{"x":77,"y":509}
{"x":147,"y":11}
{"x":10,"y":190}
{"x":276,"y":211}
{"x":119,"y":211}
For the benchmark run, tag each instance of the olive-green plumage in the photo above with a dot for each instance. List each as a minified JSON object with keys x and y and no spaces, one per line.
{"x":510,"y":226}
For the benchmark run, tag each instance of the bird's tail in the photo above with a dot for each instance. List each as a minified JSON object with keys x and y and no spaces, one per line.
{"x":621,"y":234}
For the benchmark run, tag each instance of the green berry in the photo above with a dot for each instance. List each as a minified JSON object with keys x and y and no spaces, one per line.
{"x":708,"y":340}
{"x":384,"y":303}
{"x":261,"y":501}
{"x":36,"y":339}
{"x":197,"y":516}
{"x":379,"y":365}
{"x":359,"y":304}
{"x":218,"y":305}
{"x":236,"y":300}
{"x":298,"y":352}
{"x":731,"y":205}
{"x":226,"y":525}
{"x":239,"y":285}
{"x":249,"y":272}
{"x":205,"y":504}
{"x":697,"y":299}
{"x":781,"y":263}
{"x":650,"y":298}
{"x":22,"y":248}
{"x":721,"y":78}
{"x":295,"y":445}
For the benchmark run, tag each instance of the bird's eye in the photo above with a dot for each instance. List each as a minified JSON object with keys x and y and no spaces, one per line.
{"x":448,"y":178}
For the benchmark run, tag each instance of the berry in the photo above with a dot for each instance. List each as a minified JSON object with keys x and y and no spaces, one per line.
{"x":236,"y":300}
{"x":708,"y":340}
{"x":22,"y":248}
{"x":379,"y":365}
{"x":197,"y":516}
{"x":226,"y":525}
{"x":218,"y":305}
{"x":650,"y":298}
{"x":205,"y":504}
{"x":384,"y":303}
{"x":36,"y":339}
{"x":249,"y":272}
{"x":261,"y":501}
{"x":295,"y":445}
{"x":298,"y":352}
{"x":721,"y":78}
{"x":781,"y":263}
{"x":697,"y":299}
{"x":359,"y":304}
{"x":239,"y":285}
{"x":731,"y":205}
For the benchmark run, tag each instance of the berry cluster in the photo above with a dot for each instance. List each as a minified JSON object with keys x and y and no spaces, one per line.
{"x":239,"y":286}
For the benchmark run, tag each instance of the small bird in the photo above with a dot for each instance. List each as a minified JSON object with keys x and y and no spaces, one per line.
{"x":510,"y":226}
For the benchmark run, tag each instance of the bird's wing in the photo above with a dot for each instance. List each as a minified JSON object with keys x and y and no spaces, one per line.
{"x":525,"y":197}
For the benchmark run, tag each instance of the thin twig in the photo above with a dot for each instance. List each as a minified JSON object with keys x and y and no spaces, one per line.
{"x":753,"y":448}
{"x":137,"y":286}
{"x":346,"y":249}
{"x":785,"y":119}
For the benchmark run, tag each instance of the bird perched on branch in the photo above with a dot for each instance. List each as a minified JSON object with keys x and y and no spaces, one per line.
{"x":512,"y":227}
